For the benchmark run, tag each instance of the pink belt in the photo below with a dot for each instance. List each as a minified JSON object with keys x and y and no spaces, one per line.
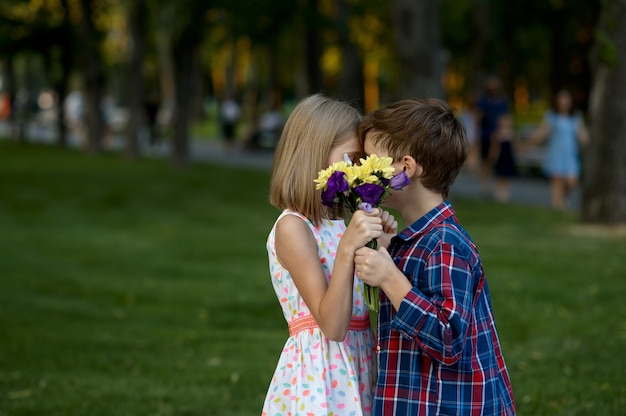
{"x":357,"y":323}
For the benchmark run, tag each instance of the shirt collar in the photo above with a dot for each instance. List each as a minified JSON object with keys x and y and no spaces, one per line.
{"x":435,"y":216}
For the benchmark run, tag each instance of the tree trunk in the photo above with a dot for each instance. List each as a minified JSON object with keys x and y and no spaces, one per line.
{"x":136,"y":16}
{"x":416,"y":25}
{"x":312,"y":48}
{"x":185,"y":55}
{"x":66,"y":49}
{"x":93,"y":78}
{"x":352,"y":79}
{"x":166,"y":70}
{"x":604,"y":185}
{"x":61,"y":89}
{"x":480,"y":39}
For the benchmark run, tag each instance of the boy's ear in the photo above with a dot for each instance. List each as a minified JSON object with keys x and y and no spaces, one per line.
{"x":411,"y":167}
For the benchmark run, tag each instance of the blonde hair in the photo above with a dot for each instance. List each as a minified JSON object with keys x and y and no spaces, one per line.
{"x":316,"y":126}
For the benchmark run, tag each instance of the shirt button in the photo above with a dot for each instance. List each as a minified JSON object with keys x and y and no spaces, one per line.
{"x":378,"y":348}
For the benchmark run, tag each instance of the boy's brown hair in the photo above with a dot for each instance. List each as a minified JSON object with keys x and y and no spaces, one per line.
{"x":425,"y":129}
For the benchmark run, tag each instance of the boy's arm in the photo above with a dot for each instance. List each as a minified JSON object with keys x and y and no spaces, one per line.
{"x":437,"y":316}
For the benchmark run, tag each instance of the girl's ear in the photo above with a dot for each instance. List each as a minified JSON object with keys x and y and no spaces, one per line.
{"x":411,"y":167}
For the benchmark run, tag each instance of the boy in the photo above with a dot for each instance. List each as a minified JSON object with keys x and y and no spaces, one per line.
{"x":439,"y":352}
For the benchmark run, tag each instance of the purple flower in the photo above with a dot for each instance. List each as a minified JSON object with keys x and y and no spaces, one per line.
{"x":399,"y":181}
{"x":370,"y":193}
{"x":328,"y":198}
{"x":335,"y":184}
{"x":366,"y":206}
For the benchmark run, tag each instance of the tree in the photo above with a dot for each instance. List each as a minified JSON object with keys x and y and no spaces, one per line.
{"x":416,"y":25}
{"x":136,"y":23}
{"x":65,"y":60}
{"x":186,"y":41}
{"x":351,"y":80}
{"x":604,"y":185}
{"x":312,"y":46}
{"x":94,"y":76}
{"x":41,"y":30}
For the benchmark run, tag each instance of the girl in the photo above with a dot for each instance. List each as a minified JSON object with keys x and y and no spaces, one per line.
{"x":502,"y":156}
{"x":327,"y":364}
{"x":565,"y":129}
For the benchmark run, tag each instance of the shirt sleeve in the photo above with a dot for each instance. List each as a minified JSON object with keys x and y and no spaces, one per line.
{"x":437,"y":316}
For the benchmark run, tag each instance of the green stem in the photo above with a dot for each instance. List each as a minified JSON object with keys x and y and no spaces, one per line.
{"x":372,"y":297}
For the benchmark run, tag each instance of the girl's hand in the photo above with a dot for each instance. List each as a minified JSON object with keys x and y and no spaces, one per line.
{"x":390,"y":228}
{"x":363,"y":228}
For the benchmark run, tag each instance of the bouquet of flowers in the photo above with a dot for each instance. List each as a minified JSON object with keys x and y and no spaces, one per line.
{"x":364,"y":186}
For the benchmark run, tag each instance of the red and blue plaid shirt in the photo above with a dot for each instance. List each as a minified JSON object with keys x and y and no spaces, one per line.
{"x":440,"y":353}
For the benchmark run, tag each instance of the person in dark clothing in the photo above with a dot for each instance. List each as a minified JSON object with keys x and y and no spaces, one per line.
{"x":491,"y":105}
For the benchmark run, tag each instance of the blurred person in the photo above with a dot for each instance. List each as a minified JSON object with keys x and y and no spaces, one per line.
{"x":229,"y":117}
{"x":502,"y":157}
{"x":565,"y":130}
{"x":151,"y":106}
{"x":468,"y":118}
{"x":491,"y":104}
{"x":5,"y":106}
{"x":327,"y":365}
{"x":267,"y":131}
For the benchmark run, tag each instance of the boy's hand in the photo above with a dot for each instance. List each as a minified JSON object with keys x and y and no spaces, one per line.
{"x":376,"y":268}
{"x":373,"y":266}
{"x":390,"y":228}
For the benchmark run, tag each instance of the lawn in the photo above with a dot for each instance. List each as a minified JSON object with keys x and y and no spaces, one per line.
{"x":136,"y":289}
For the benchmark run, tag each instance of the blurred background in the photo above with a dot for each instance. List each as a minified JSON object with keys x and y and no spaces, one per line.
{"x":142,"y":73}
{"x":158,"y":67}
{"x":134,"y":286}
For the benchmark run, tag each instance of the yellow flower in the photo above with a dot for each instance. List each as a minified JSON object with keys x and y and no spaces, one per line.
{"x":373,"y":164}
{"x":352,"y":174}
{"x":373,"y":168}
{"x":324,"y":174}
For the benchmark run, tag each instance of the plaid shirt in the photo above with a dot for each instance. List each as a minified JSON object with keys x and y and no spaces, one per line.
{"x":440,"y":353}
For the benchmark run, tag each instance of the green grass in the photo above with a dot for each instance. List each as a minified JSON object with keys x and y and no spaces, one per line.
{"x":135,"y":289}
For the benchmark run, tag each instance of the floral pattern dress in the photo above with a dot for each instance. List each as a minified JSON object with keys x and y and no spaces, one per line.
{"x":314,"y":375}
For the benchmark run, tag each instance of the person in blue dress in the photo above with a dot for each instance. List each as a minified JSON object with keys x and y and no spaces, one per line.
{"x":565,"y":130}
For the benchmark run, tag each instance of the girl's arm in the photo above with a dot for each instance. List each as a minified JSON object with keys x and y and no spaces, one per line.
{"x":583,"y":134}
{"x":296,"y":248}
{"x":494,"y":149}
{"x":537,"y":136}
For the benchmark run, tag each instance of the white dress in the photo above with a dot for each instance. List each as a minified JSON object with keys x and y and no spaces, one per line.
{"x":314,"y":375}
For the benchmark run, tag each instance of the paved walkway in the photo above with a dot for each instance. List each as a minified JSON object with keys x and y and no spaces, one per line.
{"x":524,"y":190}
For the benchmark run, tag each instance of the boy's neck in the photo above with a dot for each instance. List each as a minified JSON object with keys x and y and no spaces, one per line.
{"x":419,"y":205}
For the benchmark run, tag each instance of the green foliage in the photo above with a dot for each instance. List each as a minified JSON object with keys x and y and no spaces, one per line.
{"x":134,"y":289}
{"x":606,"y":48}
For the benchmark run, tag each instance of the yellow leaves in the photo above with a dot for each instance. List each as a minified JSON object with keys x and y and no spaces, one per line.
{"x":29,"y":11}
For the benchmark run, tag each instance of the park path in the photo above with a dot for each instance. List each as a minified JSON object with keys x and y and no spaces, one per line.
{"x":530,"y":191}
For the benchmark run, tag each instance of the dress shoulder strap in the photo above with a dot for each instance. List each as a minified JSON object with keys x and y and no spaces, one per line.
{"x":299,"y":215}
